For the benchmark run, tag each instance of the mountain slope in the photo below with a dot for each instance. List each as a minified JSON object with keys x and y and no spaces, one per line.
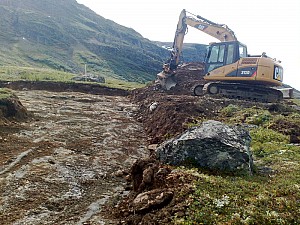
{"x":191,"y":52}
{"x":65,"y":35}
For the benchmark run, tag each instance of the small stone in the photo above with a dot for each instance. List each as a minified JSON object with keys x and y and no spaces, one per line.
{"x":152,"y":147}
{"x":118,"y":173}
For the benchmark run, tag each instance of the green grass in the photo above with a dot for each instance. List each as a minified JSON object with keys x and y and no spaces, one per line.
{"x":115,"y":83}
{"x":260,"y":199}
{"x":41,"y":74}
{"x":296,"y":101}
{"x":253,"y":115}
{"x":5,"y":93}
{"x":270,"y":196}
{"x":33,"y":74}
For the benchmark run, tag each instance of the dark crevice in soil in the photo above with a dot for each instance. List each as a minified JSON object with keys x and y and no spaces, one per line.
{"x":62,"y":87}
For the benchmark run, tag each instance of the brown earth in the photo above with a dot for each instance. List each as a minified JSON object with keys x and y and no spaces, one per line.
{"x":68,"y":165}
{"x":11,"y":111}
{"x":88,"y":88}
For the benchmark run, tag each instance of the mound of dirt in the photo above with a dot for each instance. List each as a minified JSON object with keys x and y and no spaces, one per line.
{"x":172,"y":114}
{"x":159,"y":194}
{"x":11,"y":109}
{"x":288,"y":128}
{"x":165,"y":115}
{"x":187,"y":76}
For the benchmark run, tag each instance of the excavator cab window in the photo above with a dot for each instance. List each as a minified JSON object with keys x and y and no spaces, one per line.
{"x":221,"y":53}
{"x":242,"y":51}
{"x":224,"y":53}
{"x":215,"y":56}
{"x":230,"y":54}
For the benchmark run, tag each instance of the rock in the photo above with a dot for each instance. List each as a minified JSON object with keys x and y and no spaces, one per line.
{"x":152,"y":147}
{"x":154,"y":199}
{"x":142,"y":174}
{"x":153,"y":106}
{"x":119,"y":173}
{"x":90,"y":78}
{"x":147,"y":174}
{"x":213,"y":146}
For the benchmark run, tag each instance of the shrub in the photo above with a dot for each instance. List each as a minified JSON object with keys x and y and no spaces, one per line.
{"x":229,"y":110}
{"x":259,"y":118}
{"x":266,"y":141}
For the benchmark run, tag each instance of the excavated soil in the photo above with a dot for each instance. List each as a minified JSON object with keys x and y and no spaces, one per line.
{"x":83,"y":157}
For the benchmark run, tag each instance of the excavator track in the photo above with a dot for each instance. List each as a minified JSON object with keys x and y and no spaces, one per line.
{"x":241,"y":91}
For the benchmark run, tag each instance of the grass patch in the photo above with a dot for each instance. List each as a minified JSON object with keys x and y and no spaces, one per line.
{"x":296,"y":101}
{"x":260,"y":199}
{"x":270,"y":196}
{"x":5,"y":93}
{"x":115,"y":83}
{"x":253,"y":115}
{"x":229,"y":110}
{"x":34,"y":74}
{"x":42,"y":74}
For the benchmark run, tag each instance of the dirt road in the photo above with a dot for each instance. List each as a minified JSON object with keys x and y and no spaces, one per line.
{"x":59,"y":168}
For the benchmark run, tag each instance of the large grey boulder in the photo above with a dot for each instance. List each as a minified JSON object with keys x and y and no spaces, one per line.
{"x":212,"y":145}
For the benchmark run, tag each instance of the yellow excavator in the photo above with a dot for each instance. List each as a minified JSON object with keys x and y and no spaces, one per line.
{"x":229,"y":69}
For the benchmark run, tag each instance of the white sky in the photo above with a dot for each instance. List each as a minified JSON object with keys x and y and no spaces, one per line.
{"x":271,"y":26}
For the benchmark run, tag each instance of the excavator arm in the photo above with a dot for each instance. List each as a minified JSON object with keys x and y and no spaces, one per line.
{"x":219,"y":31}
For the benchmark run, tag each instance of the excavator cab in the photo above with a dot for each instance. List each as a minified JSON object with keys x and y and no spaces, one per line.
{"x":224,"y":53}
{"x":229,"y":61}
{"x":230,"y":71}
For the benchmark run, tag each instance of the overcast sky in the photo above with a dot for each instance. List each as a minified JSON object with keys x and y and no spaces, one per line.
{"x":271,"y":26}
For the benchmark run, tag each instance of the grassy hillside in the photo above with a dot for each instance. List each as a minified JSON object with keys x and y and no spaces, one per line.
{"x":13,"y":73}
{"x":65,"y":35}
{"x":190,"y":53}
{"x":271,"y":195}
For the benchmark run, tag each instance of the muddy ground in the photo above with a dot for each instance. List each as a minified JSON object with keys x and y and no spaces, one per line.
{"x":59,"y":167}
{"x":69,"y":163}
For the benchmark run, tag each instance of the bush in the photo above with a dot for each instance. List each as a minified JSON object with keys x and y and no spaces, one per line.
{"x":229,"y":110}
{"x":259,"y":118}
{"x":266,"y":141}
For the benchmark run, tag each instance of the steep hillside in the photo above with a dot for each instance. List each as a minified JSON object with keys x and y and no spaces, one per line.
{"x":190,"y":53}
{"x":65,"y":35}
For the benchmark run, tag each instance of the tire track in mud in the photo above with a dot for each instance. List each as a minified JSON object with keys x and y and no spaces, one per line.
{"x":59,"y":168}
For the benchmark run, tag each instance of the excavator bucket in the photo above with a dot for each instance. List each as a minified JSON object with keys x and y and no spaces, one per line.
{"x":166,"y":81}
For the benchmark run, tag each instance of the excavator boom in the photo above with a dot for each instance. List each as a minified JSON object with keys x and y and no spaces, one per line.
{"x":219,"y":31}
